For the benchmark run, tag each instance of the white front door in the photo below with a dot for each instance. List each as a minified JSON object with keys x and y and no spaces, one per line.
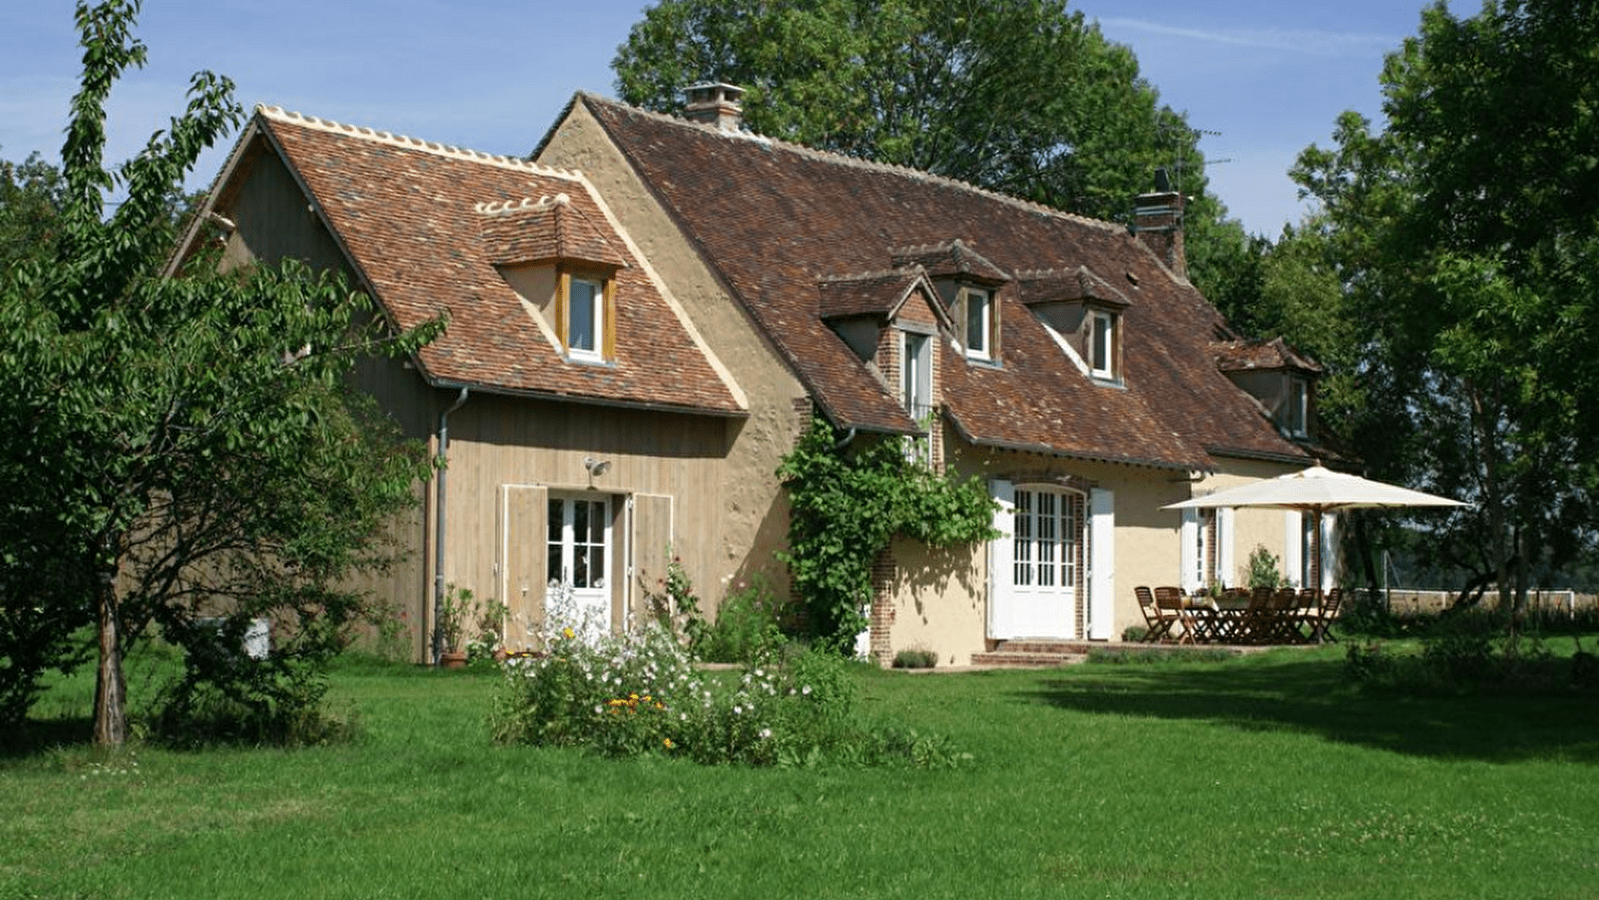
{"x":578,"y":556}
{"x":1038,"y":585}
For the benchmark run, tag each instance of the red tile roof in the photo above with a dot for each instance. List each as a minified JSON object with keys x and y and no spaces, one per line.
{"x":1239,"y":356}
{"x":775,"y":219}
{"x":426,"y":225}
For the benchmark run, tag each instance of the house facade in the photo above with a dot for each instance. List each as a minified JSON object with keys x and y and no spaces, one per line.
{"x":643,"y":318}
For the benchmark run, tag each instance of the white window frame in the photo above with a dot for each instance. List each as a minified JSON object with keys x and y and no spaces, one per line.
{"x":984,"y":298}
{"x":916,"y":374}
{"x":596,"y":309}
{"x":1102,"y":336}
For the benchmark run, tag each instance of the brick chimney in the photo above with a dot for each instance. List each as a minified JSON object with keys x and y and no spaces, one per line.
{"x":714,"y":103}
{"x":1158,"y":222}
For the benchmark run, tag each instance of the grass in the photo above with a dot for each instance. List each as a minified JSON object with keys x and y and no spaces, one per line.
{"x":1263,"y":776}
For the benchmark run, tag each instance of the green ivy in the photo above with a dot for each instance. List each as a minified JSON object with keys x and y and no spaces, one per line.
{"x":848,"y":504}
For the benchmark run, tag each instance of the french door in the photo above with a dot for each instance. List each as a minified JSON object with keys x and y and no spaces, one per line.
{"x":578,"y":554}
{"x":1046,"y":562}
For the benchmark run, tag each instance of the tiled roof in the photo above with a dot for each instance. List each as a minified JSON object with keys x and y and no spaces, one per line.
{"x":773,"y":219}
{"x":868,"y":294}
{"x":1239,"y":356}
{"x":426,"y":226}
{"x":1079,"y":284}
{"x":950,"y":258}
{"x":542,"y":230}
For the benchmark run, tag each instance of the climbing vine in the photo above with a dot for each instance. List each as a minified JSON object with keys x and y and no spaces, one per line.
{"x":848,"y":504}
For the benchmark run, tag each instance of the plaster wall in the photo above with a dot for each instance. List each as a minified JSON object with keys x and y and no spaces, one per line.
{"x":752,"y":511}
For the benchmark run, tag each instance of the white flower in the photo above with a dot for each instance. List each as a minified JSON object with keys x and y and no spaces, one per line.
{"x":766,"y":733}
{"x":738,"y":710}
{"x":806,"y":690}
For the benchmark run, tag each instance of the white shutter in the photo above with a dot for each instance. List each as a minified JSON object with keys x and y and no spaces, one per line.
{"x":1102,"y":571}
{"x":1188,"y":571}
{"x":1329,"y":551}
{"x":999,"y":559}
{"x":1293,"y":545}
{"x":1224,"y":547}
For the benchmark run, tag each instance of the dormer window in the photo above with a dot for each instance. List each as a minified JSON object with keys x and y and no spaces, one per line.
{"x":1104,"y":344}
{"x":916,"y":376}
{"x":979,"y":306}
{"x":1296,"y":416}
{"x":584,"y":315}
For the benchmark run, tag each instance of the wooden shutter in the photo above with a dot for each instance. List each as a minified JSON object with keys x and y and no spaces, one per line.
{"x":649,"y":547}
{"x":1102,"y":564}
{"x":1000,"y":555}
{"x":608,"y":320}
{"x":563,"y":301}
{"x":522,"y":560}
{"x":1224,"y":547}
{"x":1189,"y":574}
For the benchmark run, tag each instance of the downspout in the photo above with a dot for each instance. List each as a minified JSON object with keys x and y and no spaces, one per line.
{"x":438,"y":527}
{"x":845,"y":441}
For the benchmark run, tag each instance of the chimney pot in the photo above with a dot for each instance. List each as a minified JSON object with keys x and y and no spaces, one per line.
{"x":714,"y":103}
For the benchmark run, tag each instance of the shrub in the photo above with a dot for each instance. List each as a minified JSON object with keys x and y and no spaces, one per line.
{"x":1263,"y":569}
{"x":1135,"y":634}
{"x":640,"y":693}
{"x":915,"y":658}
{"x":747,"y":628}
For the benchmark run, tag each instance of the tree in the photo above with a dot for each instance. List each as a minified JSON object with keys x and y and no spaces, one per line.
{"x":1023,"y":97}
{"x":1465,"y":239}
{"x":30,"y":203}
{"x":182,"y":452}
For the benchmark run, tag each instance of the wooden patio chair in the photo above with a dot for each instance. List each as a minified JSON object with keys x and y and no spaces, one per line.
{"x":1157,"y":627}
{"x":1253,"y":625}
{"x":1169,"y":602}
{"x":1323,"y":619}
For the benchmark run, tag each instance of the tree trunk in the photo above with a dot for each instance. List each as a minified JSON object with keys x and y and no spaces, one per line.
{"x":110,"y":687}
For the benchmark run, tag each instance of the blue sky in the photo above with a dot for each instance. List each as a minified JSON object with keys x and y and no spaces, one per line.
{"x":1269,"y":77}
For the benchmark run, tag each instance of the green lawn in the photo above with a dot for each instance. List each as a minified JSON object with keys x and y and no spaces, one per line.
{"x":1258,"y":777}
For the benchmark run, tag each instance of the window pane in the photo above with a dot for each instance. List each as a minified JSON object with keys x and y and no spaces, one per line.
{"x":1102,"y":334}
{"x":554,"y":523}
{"x":977,"y":321}
{"x":580,"y":569}
{"x":583,"y":315}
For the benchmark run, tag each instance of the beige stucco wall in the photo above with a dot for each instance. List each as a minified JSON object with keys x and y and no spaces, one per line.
{"x":752,"y":514}
{"x":1251,"y":527}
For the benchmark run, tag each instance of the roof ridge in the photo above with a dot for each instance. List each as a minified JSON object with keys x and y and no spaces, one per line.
{"x":407,"y":142}
{"x":843,"y":159}
{"x":880,"y":273}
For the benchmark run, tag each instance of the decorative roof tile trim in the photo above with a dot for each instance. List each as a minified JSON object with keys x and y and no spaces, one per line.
{"x":410,"y":143}
{"x":526,"y":204}
{"x":841,"y":159}
{"x":683,"y":319}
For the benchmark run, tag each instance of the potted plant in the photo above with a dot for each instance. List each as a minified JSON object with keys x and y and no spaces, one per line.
{"x":459,"y":605}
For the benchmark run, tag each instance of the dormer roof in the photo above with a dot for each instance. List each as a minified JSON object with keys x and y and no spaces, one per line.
{"x":1071,"y":285}
{"x":951,"y":258}
{"x":879,"y":295}
{"x":547,"y":229}
{"x":1244,"y":356}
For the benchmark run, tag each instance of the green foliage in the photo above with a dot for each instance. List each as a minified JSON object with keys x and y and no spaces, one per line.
{"x":915,"y":658}
{"x":845,"y":509}
{"x":641,"y":694}
{"x":469,"y":625}
{"x":30,"y":209}
{"x":748,"y":626}
{"x":183,"y":448}
{"x":1263,"y":571}
{"x":1451,"y":274}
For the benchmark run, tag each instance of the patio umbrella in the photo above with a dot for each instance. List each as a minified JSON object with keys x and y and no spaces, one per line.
{"x":1316,"y":490}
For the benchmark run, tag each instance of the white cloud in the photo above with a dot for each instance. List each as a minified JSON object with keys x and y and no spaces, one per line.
{"x":1316,"y":43}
